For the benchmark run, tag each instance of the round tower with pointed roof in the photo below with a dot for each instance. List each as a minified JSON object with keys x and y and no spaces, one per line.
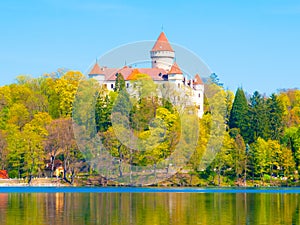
{"x":162,"y":54}
{"x":97,"y":73}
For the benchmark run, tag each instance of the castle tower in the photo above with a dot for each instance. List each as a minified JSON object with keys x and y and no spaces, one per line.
{"x":175,"y":75}
{"x":97,"y":73}
{"x":198,"y":87}
{"x":162,"y":54}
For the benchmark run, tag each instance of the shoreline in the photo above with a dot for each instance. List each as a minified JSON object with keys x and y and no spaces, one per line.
{"x":58,"y":182}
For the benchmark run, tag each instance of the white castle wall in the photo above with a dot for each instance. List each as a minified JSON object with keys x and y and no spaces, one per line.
{"x":162,"y":59}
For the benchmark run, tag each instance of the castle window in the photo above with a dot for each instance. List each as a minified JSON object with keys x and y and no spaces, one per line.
{"x":112,"y":86}
{"x":155,"y":61}
{"x":199,"y":95}
{"x":178,"y":85}
{"x":127,"y":85}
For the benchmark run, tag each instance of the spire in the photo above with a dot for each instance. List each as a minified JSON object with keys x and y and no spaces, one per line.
{"x":197,"y":79}
{"x":162,"y":44}
{"x":96,"y":69}
{"x":175,"y":69}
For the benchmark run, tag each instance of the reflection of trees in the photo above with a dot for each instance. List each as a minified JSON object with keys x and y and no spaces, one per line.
{"x":149,"y":208}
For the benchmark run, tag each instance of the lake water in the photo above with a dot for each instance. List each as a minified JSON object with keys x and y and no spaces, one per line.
{"x":148,"y":206}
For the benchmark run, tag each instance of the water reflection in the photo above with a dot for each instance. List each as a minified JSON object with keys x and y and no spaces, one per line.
{"x":148,"y":208}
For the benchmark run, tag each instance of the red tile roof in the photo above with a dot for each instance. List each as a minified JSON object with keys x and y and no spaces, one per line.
{"x":96,"y":69}
{"x":175,"y":69}
{"x":162,"y":44}
{"x":197,"y":80}
{"x":3,"y":174}
{"x":154,"y":73}
{"x":133,"y":74}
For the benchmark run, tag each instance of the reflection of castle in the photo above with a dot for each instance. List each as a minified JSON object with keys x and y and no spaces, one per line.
{"x":164,"y":69}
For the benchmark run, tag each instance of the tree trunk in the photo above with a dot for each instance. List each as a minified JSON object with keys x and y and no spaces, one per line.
{"x":219,"y":177}
{"x":30,"y":179}
{"x":155,"y":173}
{"x":120,"y":168}
{"x":120,"y":161}
{"x":72,"y":176}
{"x":52,"y":165}
{"x":65,"y":172}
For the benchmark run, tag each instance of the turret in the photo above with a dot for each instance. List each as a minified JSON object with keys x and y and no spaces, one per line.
{"x":175,"y":75}
{"x":198,"y":87}
{"x":97,"y":73}
{"x":162,"y":54}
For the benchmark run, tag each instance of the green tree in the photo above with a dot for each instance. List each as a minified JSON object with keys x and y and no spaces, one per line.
{"x":239,"y":113}
{"x":259,"y":122}
{"x":275,"y":117}
{"x":291,"y":140}
{"x":120,"y":83}
{"x":33,"y":151}
{"x":103,"y":109}
{"x":239,"y":155}
{"x":15,"y":148}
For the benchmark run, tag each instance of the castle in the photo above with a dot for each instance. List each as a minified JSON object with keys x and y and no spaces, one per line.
{"x":164,"y":70}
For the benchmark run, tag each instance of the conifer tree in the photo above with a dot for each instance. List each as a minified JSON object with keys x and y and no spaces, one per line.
{"x":120,"y":83}
{"x":275,"y":117}
{"x":239,"y":113}
{"x":259,"y":121}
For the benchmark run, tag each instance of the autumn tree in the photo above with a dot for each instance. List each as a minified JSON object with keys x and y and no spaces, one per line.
{"x":3,"y":150}
{"x":66,"y":88}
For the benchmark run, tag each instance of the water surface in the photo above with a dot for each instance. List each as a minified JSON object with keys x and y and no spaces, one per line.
{"x":148,"y":206}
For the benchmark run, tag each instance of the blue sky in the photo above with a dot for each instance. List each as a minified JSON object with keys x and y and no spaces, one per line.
{"x":254,"y":44}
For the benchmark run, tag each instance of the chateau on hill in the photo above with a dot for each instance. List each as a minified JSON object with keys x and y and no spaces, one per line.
{"x":164,"y":70}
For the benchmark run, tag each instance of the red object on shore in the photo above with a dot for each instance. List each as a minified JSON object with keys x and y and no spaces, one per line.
{"x":3,"y":174}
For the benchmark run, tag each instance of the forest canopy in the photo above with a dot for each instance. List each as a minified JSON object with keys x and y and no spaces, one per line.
{"x":261,"y":140}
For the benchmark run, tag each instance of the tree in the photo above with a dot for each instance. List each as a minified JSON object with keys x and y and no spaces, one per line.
{"x":213,"y":78}
{"x":116,"y":148}
{"x":61,"y":144}
{"x":70,"y":153}
{"x":223,"y":160}
{"x":3,"y":150}
{"x":103,"y":110}
{"x":239,"y":155}
{"x":15,"y":148}
{"x":120,"y":83}
{"x":66,"y":88}
{"x":33,"y":150}
{"x":291,"y":140}
{"x":287,"y":161}
{"x":275,"y":117}
{"x":18,"y":115}
{"x":259,"y":122}
{"x":239,"y":113}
